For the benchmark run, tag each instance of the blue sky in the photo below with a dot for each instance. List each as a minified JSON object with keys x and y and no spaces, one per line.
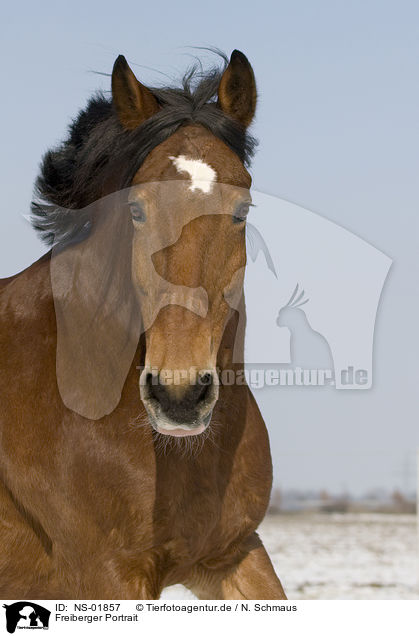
{"x":338,"y":128}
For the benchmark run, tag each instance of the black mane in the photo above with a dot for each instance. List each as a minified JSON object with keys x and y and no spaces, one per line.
{"x":97,"y":148}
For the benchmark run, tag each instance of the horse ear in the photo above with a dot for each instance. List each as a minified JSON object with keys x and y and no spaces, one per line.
{"x":237,"y":89}
{"x":134,"y":103}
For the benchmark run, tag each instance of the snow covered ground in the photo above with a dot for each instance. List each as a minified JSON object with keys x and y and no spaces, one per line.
{"x":340,"y":556}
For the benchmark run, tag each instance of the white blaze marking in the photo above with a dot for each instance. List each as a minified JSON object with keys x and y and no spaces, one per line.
{"x":201,"y":174}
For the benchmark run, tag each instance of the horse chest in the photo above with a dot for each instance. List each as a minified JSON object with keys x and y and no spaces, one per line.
{"x":185,"y":508}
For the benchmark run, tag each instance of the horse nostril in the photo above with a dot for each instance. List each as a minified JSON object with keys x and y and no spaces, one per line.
{"x":205,"y":379}
{"x":156,"y":390}
{"x":149,"y":385}
{"x":204,"y":386}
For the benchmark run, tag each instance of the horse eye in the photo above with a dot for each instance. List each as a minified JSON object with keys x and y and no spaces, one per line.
{"x":241,"y":212}
{"x":137,"y":212}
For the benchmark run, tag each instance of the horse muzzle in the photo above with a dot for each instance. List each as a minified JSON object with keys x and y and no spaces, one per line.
{"x":179,"y":409}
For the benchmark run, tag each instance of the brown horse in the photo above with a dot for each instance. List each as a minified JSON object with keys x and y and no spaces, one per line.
{"x":119,"y":492}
